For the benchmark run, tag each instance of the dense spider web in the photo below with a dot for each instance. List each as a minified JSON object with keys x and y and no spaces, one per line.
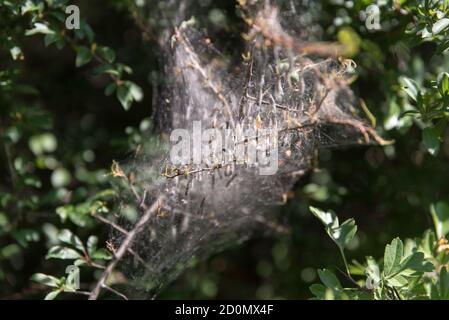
{"x":282,"y":83}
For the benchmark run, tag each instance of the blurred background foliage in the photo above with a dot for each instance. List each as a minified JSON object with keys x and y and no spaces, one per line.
{"x":60,"y":133}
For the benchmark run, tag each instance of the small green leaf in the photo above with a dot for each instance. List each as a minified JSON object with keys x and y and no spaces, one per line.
{"x":47,"y":280}
{"x":67,"y":236}
{"x":83,"y":56}
{"x":411,"y":87}
{"x":414,"y":264}
{"x":440,"y":25}
{"x":51,"y":38}
{"x":397,"y":281}
{"x":107,"y":54}
{"x":64,"y":253}
{"x":431,"y":140}
{"x":443,"y":83}
{"x":329,"y":219}
{"x":92,"y":243}
{"x":39,"y":28}
{"x":136,"y":92}
{"x":340,"y":234}
{"x":347,"y":232}
{"x":440,"y":216}
{"x":329,"y":279}
{"x":52,"y":295}
{"x":392,"y":257}
{"x":31,"y":6}
{"x":125,"y":96}
{"x":87,"y":31}
{"x":101,"y":254}
{"x":427,"y":244}
{"x":79,"y":262}
{"x":110,"y":89}
{"x":108,"y":69}
{"x":444,"y":284}
{"x":318,"y":290}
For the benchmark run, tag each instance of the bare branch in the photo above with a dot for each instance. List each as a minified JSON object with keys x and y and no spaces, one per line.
{"x":124,"y":247}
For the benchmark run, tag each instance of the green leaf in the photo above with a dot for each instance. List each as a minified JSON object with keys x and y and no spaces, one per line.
{"x":67,"y":236}
{"x":136,"y":92}
{"x":440,"y":25}
{"x":341,"y":235}
{"x":47,"y":280}
{"x":125,"y":96}
{"x":346,"y":233}
{"x":51,"y":38}
{"x":92,"y":243}
{"x":415,"y":263}
{"x":101,"y":254}
{"x":392,"y":257}
{"x":444,"y":284}
{"x":329,"y":219}
{"x":31,"y":6}
{"x":411,"y":87}
{"x":443,"y":83}
{"x":83,"y":56}
{"x":318,"y":290}
{"x":329,"y":279}
{"x":110,"y":89}
{"x":397,"y":281}
{"x":427,"y":244}
{"x":52,"y":295}
{"x":10,"y":251}
{"x":107,"y":54}
{"x":431,"y":140}
{"x":64,"y":253}
{"x":39,"y":28}
{"x":108,"y":69}
{"x":79,"y":262}
{"x":87,"y":30}
{"x":440,"y":216}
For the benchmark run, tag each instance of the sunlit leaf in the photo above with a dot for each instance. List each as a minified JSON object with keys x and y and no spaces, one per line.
{"x":64,"y":253}
{"x":68,"y":237}
{"x":440,"y":216}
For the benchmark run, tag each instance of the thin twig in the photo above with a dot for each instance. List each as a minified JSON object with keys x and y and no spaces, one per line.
{"x":124,"y":247}
{"x":110,"y":223}
{"x":115,"y":292}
